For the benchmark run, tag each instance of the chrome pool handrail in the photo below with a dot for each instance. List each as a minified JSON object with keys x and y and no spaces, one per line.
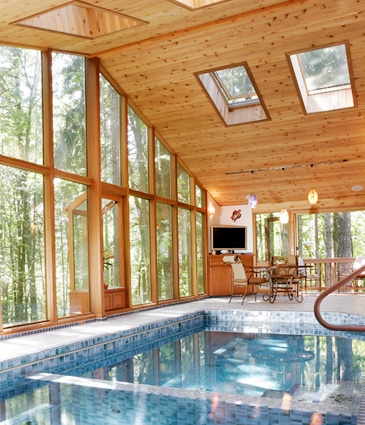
{"x":321,"y":296}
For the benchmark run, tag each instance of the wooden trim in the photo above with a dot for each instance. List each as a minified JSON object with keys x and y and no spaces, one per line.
{"x":124,"y":142}
{"x":24,"y":165}
{"x":127,"y":258}
{"x":199,"y":27}
{"x":111,"y":81}
{"x":165,"y":200}
{"x":49,"y":211}
{"x":23,"y":46}
{"x":139,"y":194}
{"x":114,"y":189}
{"x":192,"y":9}
{"x":87,"y":181}
{"x":97,"y":301}
{"x":186,"y":206}
{"x":139,"y":113}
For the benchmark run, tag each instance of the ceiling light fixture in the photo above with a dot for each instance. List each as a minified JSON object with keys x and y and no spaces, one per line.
{"x":211,"y":211}
{"x":284,"y":215}
{"x":312,"y":195}
{"x":252,"y":200}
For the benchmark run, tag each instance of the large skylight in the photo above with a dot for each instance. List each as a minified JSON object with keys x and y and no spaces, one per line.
{"x":234,"y":94}
{"x":235,"y":85}
{"x":323,"y":78}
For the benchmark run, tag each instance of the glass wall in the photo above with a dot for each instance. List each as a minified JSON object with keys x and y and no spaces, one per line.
{"x":21,"y":247}
{"x":28,"y":186}
{"x":21,"y":104}
{"x":331,"y":235}
{"x":71,"y":227}
{"x":165,"y":269}
{"x":139,"y":234}
{"x":272,"y":237}
{"x":110,"y":243}
{"x":69,"y":123}
{"x":200,"y":251}
{"x":185,"y":257}
{"x":163,"y":170}
{"x":110,"y":127}
{"x":137,"y":152}
{"x":183,"y":185}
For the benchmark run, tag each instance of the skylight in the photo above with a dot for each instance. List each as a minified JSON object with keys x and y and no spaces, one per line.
{"x":234,"y":94}
{"x":235,"y":85}
{"x":80,"y":19}
{"x":323,"y":78}
{"x":196,"y":4}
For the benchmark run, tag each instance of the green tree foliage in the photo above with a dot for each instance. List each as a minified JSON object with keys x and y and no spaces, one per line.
{"x":325,"y":68}
{"x":110,"y":125}
{"x":69,"y":120}
{"x":237,"y":83}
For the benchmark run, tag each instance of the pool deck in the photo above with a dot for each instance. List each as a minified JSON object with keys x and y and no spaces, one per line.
{"x":29,"y":344}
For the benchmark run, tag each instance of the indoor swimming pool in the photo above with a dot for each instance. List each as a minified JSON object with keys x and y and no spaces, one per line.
{"x":202,"y":369}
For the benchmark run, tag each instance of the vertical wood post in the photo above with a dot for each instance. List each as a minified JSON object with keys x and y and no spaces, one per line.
{"x":96,"y":287}
{"x":49,"y":212}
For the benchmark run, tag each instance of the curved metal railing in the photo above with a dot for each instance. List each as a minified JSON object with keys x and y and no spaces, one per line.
{"x":350,"y":328}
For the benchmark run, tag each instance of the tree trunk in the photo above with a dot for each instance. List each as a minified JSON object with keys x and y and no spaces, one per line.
{"x":328,"y":244}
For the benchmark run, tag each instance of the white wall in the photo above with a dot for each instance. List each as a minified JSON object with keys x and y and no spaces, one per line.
{"x":223,"y":216}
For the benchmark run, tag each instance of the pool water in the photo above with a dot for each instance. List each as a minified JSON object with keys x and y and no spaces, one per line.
{"x":241,"y":363}
{"x":201,"y":378}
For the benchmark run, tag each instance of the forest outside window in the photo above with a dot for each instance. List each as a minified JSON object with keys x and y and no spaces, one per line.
{"x":165,"y":258}
{"x":183,"y":185}
{"x":69,"y":113}
{"x":110,"y":125}
{"x":323,"y":78}
{"x":163,"y":165}
{"x":140,"y":262}
{"x":137,"y":152}
{"x":71,"y":237}
{"x":111,"y":255}
{"x":22,"y":267}
{"x":21,"y":104}
{"x":200,"y":251}
{"x":185,"y":255}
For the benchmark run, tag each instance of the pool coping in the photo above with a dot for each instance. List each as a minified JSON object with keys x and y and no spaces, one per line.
{"x":252,"y":321}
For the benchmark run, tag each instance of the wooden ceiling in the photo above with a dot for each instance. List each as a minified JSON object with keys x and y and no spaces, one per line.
{"x":155,"y":65}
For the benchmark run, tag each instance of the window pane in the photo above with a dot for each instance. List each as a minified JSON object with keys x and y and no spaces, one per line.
{"x":137,"y":152}
{"x":200,"y":250}
{"x":110,"y":243}
{"x":21,"y":247}
{"x":69,"y":126}
{"x":185,"y":265}
{"x":21,"y":104}
{"x":325,"y":68}
{"x":71,"y":235}
{"x":163,"y":170}
{"x":199,"y":196}
{"x":236,"y":84}
{"x":183,"y":185}
{"x":165,"y":270}
{"x":272,"y":237}
{"x":109,"y":133}
{"x":139,"y":233}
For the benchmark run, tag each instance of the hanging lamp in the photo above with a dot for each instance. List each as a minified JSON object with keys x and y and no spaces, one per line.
{"x":312,"y":195}
{"x":252,"y":200}
{"x":284,"y":216}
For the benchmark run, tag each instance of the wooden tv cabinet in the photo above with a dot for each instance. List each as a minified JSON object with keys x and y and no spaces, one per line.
{"x":221,"y":276}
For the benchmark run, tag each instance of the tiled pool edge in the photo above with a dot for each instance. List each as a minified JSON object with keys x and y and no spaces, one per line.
{"x":249,"y":319}
{"x":229,"y":409}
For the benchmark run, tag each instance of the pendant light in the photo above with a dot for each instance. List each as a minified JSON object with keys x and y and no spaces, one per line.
{"x":312,"y":195}
{"x":252,"y":200}
{"x":284,"y":215}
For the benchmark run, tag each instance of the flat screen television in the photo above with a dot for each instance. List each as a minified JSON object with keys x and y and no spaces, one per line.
{"x":229,"y":238}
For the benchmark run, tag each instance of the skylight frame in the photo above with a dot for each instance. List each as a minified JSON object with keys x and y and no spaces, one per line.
{"x":250,"y":111}
{"x":310,"y":97}
{"x":185,"y":5}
